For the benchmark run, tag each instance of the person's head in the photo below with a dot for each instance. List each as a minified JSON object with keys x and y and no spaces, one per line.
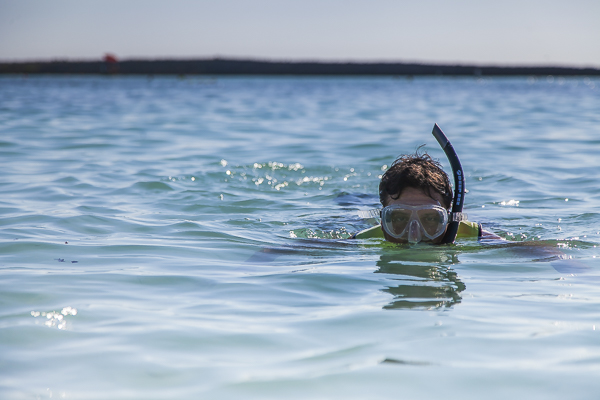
{"x":415,"y":181}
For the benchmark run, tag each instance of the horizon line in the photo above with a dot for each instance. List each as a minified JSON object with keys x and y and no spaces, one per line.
{"x":300,"y":61}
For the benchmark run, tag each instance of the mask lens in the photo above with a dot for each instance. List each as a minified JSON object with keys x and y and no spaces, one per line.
{"x":397,"y":220}
{"x":433,"y":221}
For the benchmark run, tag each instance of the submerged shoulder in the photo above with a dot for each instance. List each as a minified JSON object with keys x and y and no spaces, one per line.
{"x":373,"y":232}
{"x":469,"y":229}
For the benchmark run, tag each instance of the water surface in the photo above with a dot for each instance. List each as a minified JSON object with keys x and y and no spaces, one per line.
{"x":184,"y":238}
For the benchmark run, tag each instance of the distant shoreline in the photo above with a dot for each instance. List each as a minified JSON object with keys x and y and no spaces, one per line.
{"x":220,"y":66}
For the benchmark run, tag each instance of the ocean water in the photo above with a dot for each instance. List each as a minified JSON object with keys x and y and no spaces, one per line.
{"x":185,"y":238}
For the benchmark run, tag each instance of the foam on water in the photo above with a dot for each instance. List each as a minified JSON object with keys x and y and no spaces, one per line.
{"x":185,"y":238}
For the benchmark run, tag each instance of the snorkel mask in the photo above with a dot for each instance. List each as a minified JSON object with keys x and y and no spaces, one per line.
{"x":416,"y":223}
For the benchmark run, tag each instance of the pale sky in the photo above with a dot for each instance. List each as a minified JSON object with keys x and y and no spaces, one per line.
{"x":505,"y":32}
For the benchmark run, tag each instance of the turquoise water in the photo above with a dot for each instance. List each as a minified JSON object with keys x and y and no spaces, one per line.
{"x":165,"y":238}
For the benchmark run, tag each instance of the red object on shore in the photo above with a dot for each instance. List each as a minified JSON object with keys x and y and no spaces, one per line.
{"x":110,"y":58}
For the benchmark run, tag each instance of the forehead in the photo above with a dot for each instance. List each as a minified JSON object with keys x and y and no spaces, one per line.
{"x":416,"y":197}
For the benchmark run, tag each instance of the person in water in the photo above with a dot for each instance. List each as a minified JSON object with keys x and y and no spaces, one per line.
{"x":416,"y":196}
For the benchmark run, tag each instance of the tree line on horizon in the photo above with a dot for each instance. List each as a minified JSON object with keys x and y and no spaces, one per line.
{"x":218,"y":66}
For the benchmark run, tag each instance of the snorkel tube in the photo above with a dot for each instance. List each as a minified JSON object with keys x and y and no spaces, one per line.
{"x":459,"y":183}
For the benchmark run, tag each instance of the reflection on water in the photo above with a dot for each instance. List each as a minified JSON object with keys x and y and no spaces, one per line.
{"x":422,"y":284}
{"x":423,"y":276}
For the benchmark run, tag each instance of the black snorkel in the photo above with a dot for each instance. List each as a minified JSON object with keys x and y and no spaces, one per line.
{"x":459,"y":183}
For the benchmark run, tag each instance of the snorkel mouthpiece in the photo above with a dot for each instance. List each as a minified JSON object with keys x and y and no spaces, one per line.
{"x":459,"y":182}
{"x":414,"y":232}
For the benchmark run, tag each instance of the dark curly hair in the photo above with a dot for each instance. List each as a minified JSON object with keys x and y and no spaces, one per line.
{"x":418,"y":171}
